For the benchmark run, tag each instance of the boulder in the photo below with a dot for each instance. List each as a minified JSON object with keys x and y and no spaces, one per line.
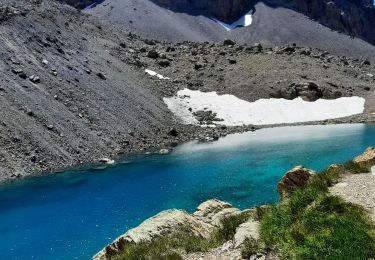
{"x":201,"y":223}
{"x":213,"y":211}
{"x":164,"y":151}
{"x":107,"y":161}
{"x":367,"y":158}
{"x":152,"y":54}
{"x":229,"y":42}
{"x":249,"y":229}
{"x":294,"y":179}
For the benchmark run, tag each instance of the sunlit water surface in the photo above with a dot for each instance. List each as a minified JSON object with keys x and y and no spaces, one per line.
{"x":73,"y":215}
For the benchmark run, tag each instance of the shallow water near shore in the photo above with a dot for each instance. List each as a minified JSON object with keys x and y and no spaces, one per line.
{"x":72,"y":215}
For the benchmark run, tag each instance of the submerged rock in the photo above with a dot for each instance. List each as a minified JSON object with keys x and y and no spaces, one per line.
{"x":293,"y":179}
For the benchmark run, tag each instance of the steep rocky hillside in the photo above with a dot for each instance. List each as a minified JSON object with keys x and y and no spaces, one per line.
{"x":273,"y":23}
{"x":353,"y":17}
{"x":74,"y":88}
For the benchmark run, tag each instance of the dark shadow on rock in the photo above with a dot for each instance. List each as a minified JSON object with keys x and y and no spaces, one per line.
{"x":355,"y":18}
{"x":81,"y":4}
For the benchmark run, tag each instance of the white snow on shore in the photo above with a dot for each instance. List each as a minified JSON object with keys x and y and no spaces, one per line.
{"x":244,"y":21}
{"x":236,"y":112}
{"x":153,"y":73}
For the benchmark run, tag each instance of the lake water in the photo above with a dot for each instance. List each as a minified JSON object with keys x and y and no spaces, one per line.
{"x":72,"y":215}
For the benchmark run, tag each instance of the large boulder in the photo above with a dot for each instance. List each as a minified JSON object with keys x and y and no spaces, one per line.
{"x":247,"y":230}
{"x":367,"y":158}
{"x":294,"y":179}
{"x":213,"y":211}
{"x":201,"y":223}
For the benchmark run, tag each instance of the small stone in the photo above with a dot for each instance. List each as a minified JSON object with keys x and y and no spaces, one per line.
{"x":107,"y":161}
{"x":22,"y":75}
{"x":164,"y":151}
{"x":34,"y":79}
{"x":229,"y":42}
{"x":152,"y":54}
{"x":365,"y":63}
{"x":101,"y":76}
{"x":164,"y":63}
{"x":198,"y":66}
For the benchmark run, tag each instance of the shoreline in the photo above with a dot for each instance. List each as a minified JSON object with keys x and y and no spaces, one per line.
{"x":122,"y":157}
{"x":259,"y":231}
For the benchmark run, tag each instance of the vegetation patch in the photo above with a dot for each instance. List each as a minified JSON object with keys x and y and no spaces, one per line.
{"x":312,"y":224}
{"x":171,"y":247}
{"x":308,"y":224}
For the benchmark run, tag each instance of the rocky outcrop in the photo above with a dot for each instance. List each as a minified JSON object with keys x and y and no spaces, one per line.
{"x":307,"y":90}
{"x":201,"y":223}
{"x":247,"y":230}
{"x":213,"y":211}
{"x":293,"y":179}
{"x":367,"y":158}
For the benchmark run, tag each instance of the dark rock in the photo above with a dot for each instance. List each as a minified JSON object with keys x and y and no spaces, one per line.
{"x":289,"y":49}
{"x":150,"y":42}
{"x":309,"y":91}
{"x":365,"y":62}
{"x":258,"y":46}
{"x":22,"y":75}
{"x":229,"y":42}
{"x":294,"y":179}
{"x":17,"y":71}
{"x":152,"y":54}
{"x":164,"y":63}
{"x":198,"y":66}
{"x":173,"y":132}
{"x":101,"y":76}
{"x":206,"y":117}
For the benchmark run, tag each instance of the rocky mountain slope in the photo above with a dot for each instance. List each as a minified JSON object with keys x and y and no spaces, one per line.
{"x":275,"y":22}
{"x":74,"y":88}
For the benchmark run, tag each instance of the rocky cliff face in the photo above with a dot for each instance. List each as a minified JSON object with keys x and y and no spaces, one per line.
{"x":226,"y":10}
{"x":353,"y":17}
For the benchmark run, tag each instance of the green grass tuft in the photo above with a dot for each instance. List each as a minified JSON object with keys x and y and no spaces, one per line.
{"x":311,"y":224}
{"x":171,"y":246}
{"x":228,"y":227}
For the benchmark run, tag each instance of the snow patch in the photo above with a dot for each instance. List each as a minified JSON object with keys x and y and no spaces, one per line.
{"x":153,"y":73}
{"x":244,"y":21}
{"x":235,"y":112}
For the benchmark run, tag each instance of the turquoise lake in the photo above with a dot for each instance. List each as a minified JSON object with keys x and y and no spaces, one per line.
{"x":72,"y":215}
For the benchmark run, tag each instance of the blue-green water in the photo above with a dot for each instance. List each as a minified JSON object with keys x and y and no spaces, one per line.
{"x":74,"y":214}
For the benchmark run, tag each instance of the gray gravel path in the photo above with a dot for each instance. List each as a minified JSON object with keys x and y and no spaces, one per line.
{"x":358,"y":189}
